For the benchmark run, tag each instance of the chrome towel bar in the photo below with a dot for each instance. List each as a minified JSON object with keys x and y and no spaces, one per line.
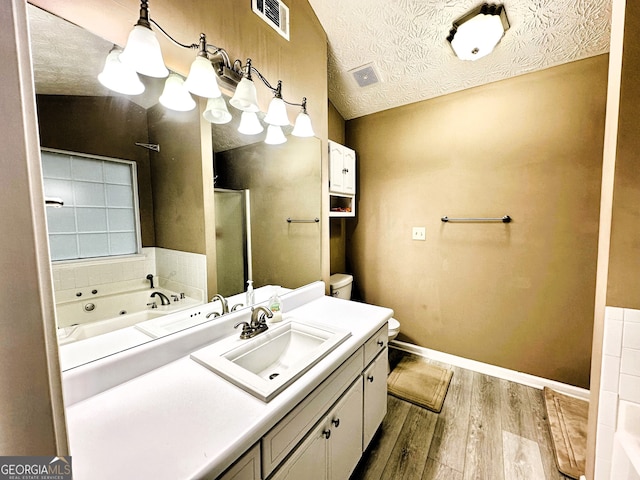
{"x":505,"y":219}
{"x":292,"y":220}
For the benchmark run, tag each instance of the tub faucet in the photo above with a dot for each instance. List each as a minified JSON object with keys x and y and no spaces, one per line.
{"x":223,"y":301}
{"x":163,"y":298}
{"x":150,"y":278}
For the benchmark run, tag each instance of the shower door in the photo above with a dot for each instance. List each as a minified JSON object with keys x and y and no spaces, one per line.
{"x":233,"y":237}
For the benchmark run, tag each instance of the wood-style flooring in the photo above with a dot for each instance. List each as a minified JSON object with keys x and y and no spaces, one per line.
{"x":488,"y":429}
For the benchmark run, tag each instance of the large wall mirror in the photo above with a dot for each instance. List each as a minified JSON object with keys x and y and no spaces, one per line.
{"x":266,"y":197}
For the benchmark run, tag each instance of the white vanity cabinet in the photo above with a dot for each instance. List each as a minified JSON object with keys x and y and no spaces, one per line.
{"x":325,"y":435}
{"x":246,"y":467}
{"x":332,"y":449}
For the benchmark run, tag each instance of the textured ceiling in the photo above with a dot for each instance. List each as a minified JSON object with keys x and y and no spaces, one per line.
{"x":406,"y":42}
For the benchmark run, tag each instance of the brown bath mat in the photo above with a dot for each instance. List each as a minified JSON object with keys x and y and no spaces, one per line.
{"x":568,"y":424}
{"x":420,"y":383}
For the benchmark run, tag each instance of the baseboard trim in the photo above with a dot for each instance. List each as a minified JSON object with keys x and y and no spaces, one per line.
{"x":492,"y":370}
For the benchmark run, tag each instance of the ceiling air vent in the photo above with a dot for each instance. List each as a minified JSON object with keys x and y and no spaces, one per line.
{"x":275,"y":13}
{"x":365,"y":75}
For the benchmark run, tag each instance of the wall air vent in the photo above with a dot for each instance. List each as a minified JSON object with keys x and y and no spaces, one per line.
{"x":275,"y":13}
{"x":365,"y":75}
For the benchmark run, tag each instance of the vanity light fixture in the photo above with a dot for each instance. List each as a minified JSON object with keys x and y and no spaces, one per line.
{"x":211,"y":65}
{"x":118,"y":76}
{"x":477,"y":33}
{"x":275,"y":135}
{"x":175,"y":96}
{"x":250,"y":124}
{"x":302,"y":127}
{"x":245,"y":97}
{"x":277,"y":112}
{"x":202,"y":79}
{"x":217,"y":111}
{"x":142,"y":51}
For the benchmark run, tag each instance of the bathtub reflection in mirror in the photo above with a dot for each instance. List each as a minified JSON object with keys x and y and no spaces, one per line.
{"x":77,"y":114}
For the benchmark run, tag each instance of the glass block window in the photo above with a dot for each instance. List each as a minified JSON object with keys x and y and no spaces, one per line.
{"x":99,"y":217}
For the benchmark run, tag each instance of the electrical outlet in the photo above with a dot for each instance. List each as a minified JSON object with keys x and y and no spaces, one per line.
{"x":418,"y":233}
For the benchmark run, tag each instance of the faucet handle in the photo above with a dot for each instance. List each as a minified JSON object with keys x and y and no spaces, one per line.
{"x":247,"y":329}
{"x":152,"y":305}
{"x":175,"y":298}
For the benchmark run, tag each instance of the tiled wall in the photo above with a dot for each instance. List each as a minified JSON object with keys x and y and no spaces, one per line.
{"x":174,"y":270}
{"x":620,"y":379}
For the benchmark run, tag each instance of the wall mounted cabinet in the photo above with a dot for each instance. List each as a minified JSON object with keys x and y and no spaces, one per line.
{"x":342,"y":180}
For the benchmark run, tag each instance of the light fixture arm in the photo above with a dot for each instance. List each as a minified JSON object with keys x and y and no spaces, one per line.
{"x":144,"y":20}
{"x":277,"y":91}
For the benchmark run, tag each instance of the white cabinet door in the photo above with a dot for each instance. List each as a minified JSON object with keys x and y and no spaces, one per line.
{"x":336,"y":177}
{"x":342,"y":169}
{"x":346,"y":433}
{"x":246,"y":468}
{"x":349,"y":171}
{"x":309,"y":460}
{"x":375,"y":397}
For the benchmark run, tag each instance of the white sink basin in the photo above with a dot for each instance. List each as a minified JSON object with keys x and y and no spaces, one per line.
{"x":268,"y":363}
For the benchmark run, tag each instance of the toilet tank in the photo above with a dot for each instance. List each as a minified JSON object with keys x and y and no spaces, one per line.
{"x":340,"y":284}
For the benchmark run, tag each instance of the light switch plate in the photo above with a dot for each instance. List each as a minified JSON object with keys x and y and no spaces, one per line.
{"x":418,"y":233}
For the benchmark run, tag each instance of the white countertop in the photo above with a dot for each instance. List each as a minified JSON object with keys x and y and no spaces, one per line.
{"x":181,"y":420}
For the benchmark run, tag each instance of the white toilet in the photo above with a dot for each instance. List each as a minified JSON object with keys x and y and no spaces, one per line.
{"x":340,"y":284}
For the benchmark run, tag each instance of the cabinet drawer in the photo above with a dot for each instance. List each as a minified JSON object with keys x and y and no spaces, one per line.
{"x":375,"y":344}
{"x":282,"y":438}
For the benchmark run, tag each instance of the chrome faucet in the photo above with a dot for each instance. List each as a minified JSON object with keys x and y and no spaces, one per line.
{"x":258,"y":322}
{"x":163,"y":298}
{"x":223,"y":301}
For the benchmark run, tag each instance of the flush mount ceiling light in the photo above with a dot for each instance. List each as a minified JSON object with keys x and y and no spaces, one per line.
{"x":211,"y":66}
{"x":476,"y":34}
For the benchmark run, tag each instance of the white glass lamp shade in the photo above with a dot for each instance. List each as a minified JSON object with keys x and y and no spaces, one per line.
{"x":175,"y":96}
{"x":202,"y":79}
{"x":477,"y":37}
{"x":302,"y":127}
{"x":143,"y":53}
{"x":275,"y":135}
{"x":245,"y":97}
{"x":216,"y":111}
{"x":118,"y":77}
{"x":277,"y":113}
{"x":250,"y":124}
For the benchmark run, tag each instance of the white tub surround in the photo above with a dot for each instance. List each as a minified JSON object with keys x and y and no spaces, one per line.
{"x":153,"y":412}
{"x":619,"y":405}
{"x":172,"y":269}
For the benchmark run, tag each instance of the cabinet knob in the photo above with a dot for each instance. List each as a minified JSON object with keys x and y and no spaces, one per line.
{"x":326,"y":433}
{"x":380,"y":343}
{"x":370,"y":378}
{"x":336,"y":422}
{"x":345,"y":170}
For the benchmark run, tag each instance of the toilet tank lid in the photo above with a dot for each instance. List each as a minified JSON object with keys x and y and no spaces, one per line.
{"x":338,"y":280}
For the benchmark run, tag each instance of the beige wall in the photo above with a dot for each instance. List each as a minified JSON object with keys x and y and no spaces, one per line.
{"x":517,"y":295}
{"x":624,"y":259}
{"x":284,"y":182}
{"x":176,"y":179}
{"x":78,"y":124}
